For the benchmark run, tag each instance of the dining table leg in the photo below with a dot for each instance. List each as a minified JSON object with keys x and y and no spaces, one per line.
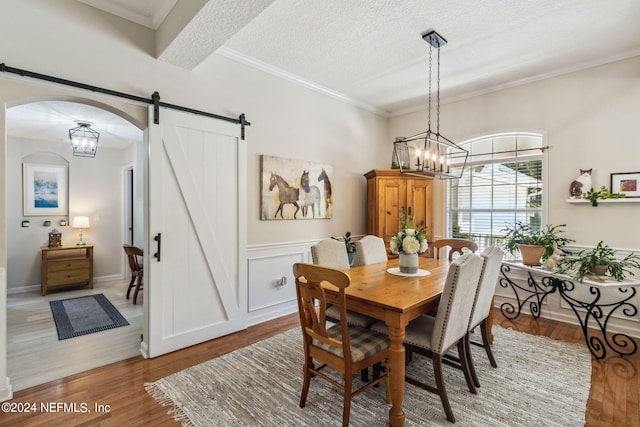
{"x":396,"y":374}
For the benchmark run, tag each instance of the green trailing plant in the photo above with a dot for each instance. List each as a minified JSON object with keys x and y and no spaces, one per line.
{"x":602,"y":193}
{"x":524,"y":234}
{"x":350,"y":244}
{"x":582,"y":263}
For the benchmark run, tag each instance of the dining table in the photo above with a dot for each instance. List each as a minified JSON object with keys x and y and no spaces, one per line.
{"x":381,"y":291}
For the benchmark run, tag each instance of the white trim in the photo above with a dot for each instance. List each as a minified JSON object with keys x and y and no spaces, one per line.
{"x":38,"y":287}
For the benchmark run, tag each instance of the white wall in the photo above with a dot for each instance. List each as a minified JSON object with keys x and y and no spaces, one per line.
{"x":95,"y":190}
{"x":591,"y":119}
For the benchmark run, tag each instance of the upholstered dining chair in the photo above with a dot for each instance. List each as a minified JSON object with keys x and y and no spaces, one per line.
{"x":483,"y":304}
{"x":456,"y":245}
{"x":344,"y":348}
{"x":435,"y":336}
{"x":370,"y":250}
{"x":134,"y":256}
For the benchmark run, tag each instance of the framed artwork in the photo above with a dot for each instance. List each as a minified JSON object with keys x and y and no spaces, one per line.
{"x":294,"y":189}
{"x":627,"y":183}
{"x":45,"y":189}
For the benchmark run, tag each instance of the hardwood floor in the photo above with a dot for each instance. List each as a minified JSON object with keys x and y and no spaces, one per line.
{"x":614,"y":398}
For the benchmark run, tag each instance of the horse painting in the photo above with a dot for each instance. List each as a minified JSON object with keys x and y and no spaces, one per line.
{"x":327,"y":189}
{"x":309,"y":196}
{"x":286,"y":194}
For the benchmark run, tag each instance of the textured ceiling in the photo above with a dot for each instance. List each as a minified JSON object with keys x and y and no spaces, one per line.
{"x":370,"y":52}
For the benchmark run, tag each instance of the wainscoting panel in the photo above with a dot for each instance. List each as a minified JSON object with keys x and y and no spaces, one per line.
{"x":272,"y":291}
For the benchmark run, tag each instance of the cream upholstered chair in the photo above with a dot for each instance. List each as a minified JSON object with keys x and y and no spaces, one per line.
{"x":456,"y":245}
{"x":483,"y":304}
{"x":370,"y":250}
{"x":333,"y":254}
{"x":347,"y":349}
{"x":434,"y":336}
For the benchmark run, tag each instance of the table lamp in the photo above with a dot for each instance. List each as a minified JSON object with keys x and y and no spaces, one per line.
{"x":80,"y":222}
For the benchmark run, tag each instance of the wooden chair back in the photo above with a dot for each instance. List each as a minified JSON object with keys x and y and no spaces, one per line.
{"x":456,"y":245}
{"x":134,"y":256}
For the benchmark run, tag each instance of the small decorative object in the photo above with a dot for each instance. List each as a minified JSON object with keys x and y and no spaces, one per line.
{"x":551,"y":263}
{"x":55,"y":238}
{"x":25,"y":223}
{"x":408,"y":243}
{"x":47,"y":223}
{"x":350,"y":245}
{"x":579,"y":187}
{"x":595,"y":263}
{"x":627,"y":183}
{"x":400,"y":158}
{"x":534,"y":244}
{"x":63,"y":223}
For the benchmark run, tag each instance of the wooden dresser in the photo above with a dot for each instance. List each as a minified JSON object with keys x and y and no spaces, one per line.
{"x":387,"y":192}
{"x":65,"y":265}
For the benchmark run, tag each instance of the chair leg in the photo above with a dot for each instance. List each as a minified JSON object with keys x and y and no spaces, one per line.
{"x":305,"y":383}
{"x":464,"y":364}
{"x":472,"y":368}
{"x":133,"y":278}
{"x":364,"y":375}
{"x":138,"y":285}
{"x":487,"y":345}
{"x":346,"y":409}
{"x":442,"y":392}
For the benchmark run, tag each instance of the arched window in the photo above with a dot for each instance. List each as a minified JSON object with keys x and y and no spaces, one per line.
{"x":501,"y":184}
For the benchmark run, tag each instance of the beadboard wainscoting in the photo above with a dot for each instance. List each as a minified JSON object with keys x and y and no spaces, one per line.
{"x":272,"y":290}
{"x":554,"y":307}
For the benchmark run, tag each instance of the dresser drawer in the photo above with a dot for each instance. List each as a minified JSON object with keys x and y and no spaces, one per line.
{"x":67,"y":276}
{"x":61,"y":265}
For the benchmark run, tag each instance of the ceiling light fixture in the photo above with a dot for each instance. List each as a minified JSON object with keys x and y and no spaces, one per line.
{"x":434,"y":155}
{"x":84,"y":140}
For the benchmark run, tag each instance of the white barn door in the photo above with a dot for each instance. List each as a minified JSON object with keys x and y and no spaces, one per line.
{"x":197,"y":290}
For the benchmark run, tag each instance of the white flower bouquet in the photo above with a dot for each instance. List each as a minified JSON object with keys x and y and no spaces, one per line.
{"x":409,"y":241}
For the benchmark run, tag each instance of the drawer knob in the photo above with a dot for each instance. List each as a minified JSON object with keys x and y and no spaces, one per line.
{"x":282,"y":282}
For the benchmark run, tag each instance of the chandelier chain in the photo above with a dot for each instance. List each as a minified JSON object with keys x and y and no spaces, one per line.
{"x":438,"y":97}
{"x":430,"y":66}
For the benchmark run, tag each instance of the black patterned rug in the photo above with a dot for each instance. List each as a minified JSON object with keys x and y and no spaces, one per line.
{"x":85,"y":315}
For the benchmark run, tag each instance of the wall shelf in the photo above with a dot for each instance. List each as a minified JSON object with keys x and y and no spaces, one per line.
{"x":625,"y":200}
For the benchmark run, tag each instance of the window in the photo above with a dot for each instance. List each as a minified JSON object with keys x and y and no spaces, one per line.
{"x":501,"y":184}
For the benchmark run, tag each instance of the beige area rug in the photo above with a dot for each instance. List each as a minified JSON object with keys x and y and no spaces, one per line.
{"x":538,"y":382}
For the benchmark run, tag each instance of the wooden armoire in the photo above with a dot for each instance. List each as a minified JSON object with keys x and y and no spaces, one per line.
{"x":387,"y":192}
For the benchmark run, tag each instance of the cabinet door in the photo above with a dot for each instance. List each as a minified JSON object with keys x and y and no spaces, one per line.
{"x":391,"y":197}
{"x":419,"y":203}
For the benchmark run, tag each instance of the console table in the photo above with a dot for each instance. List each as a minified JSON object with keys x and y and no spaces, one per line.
{"x":65,"y":265}
{"x":593,"y":312}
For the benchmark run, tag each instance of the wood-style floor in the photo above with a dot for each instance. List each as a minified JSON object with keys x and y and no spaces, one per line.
{"x":613,"y":401}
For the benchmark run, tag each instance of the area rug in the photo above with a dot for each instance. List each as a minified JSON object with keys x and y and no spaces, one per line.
{"x":85,"y":315}
{"x":538,"y":382}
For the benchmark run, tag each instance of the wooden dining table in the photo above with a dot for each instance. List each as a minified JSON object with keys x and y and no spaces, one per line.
{"x":396,"y":300}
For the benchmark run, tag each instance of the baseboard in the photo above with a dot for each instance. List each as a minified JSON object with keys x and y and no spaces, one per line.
{"x":5,"y":392}
{"x":36,"y":288}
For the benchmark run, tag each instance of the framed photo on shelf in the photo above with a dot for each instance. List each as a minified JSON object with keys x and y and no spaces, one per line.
{"x":627,"y":183}
{"x":45,"y":189}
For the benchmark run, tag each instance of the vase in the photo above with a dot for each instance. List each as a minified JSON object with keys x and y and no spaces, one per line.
{"x":409,"y":263}
{"x":600,"y":269}
{"x":531,"y":254}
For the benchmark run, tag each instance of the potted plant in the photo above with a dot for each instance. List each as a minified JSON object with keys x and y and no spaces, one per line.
{"x":408,"y":243}
{"x":350,"y":245}
{"x":534,"y":244}
{"x":598,"y":263}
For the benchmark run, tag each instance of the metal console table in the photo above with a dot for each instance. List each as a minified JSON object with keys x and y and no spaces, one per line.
{"x":594,"y":311}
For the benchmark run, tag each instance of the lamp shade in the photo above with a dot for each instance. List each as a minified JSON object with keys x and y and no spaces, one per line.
{"x":80,"y":222}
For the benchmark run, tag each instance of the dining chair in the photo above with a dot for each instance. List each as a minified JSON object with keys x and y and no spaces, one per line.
{"x":435,"y":336}
{"x":333,"y":254}
{"x":370,"y":250}
{"x":134,"y":256}
{"x":482,"y":306}
{"x":342,"y":347}
{"x":456,"y":245}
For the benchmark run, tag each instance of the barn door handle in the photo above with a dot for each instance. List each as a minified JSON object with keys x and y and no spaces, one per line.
{"x":157,"y":238}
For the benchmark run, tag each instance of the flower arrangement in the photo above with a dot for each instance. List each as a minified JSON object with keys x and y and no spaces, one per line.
{"x":408,"y":240}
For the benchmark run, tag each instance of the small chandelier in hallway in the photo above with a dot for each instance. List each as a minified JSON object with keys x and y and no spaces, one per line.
{"x":84,"y":140}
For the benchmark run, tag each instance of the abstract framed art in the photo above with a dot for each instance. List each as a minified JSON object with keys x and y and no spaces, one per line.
{"x":627,"y":183}
{"x":45,"y":189}
{"x":295,"y":189}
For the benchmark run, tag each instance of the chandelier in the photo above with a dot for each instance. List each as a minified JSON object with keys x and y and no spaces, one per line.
{"x":429,"y":154}
{"x":84,"y":140}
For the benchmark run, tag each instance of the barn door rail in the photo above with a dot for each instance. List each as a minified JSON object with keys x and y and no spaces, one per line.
{"x":154,"y":100}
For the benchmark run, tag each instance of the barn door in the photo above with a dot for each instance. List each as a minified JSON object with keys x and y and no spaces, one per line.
{"x":196,"y":263}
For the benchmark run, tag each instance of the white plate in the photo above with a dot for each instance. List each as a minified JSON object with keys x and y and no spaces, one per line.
{"x":419,"y":273}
